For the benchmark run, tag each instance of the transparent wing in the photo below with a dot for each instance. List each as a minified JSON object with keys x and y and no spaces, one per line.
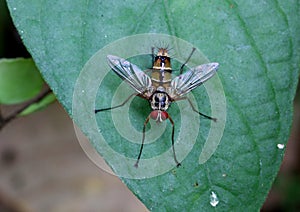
{"x":132,"y":74}
{"x":190,"y":80}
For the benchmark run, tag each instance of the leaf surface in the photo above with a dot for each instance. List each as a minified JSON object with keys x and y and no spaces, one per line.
{"x":257,"y":46}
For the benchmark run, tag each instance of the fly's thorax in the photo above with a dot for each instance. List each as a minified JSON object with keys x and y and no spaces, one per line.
{"x":160,"y":100}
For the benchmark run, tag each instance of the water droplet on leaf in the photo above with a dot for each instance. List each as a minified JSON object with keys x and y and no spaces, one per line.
{"x":214,"y":201}
{"x":280,"y":146}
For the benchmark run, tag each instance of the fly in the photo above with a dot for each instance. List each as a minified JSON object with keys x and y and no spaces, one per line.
{"x":160,"y":89}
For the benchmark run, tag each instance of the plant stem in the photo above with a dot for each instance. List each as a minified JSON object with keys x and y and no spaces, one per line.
{"x":5,"y":120}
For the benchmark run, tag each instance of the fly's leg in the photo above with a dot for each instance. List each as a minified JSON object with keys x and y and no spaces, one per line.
{"x":201,"y":114}
{"x":194,"y":109}
{"x":173,"y":129}
{"x":143,"y":140}
{"x":153,"y":56}
{"x":181,"y":68}
{"x":110,"y":108}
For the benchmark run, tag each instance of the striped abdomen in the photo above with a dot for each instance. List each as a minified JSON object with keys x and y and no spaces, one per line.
{"x":161,"y":72}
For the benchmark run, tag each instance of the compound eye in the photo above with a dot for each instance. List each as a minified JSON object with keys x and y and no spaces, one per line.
{"x":154,"y":114}
{"x":164,"y":115}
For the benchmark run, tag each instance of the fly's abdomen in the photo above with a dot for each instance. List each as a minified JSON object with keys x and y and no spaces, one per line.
{"x":161,"y":72}
{"x":161,"y":78}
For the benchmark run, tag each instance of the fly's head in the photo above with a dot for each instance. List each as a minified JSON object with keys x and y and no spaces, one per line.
{"x":159,"y":104}
{"x":159,"y":116}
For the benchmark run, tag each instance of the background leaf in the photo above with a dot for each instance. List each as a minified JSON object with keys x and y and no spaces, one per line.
{"x":257,"y":46}
{"x":19,"y":80}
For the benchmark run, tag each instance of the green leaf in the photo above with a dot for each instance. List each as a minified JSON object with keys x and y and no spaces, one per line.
{"x":19,"y":80}
{"x":257,"y":46}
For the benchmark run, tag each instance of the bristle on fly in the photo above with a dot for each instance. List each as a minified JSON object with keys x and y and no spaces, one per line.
{"x":163,"y":52}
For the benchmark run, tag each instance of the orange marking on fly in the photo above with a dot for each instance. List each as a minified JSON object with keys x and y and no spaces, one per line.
{"x":162,"y":60}
{"x":160,"y":89}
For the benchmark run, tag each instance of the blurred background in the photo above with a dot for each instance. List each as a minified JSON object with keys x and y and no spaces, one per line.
{"x":43,"y":168}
